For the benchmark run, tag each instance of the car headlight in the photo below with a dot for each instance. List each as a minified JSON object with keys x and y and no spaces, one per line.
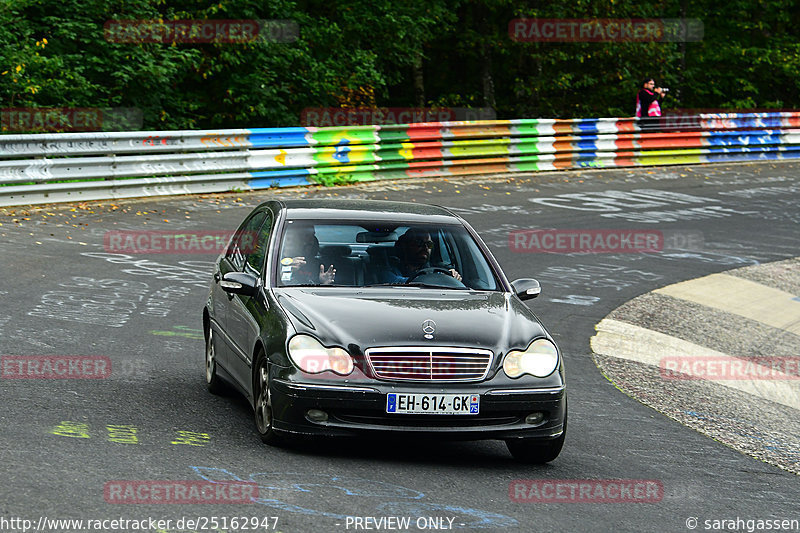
{"x":310,"y":356}
{"x":540,"y":359}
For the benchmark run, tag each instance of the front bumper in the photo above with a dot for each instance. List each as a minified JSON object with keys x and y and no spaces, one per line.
{"x":358,"y":409}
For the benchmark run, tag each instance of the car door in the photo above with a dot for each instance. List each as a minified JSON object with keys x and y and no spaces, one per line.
{"x":232,"y":261}
{"x":246,"y":313}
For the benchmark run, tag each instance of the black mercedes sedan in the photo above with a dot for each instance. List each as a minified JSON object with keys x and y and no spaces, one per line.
{"x":343,"y":318}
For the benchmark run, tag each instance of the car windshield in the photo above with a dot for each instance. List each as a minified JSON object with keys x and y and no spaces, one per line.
{"x":363,"y":254}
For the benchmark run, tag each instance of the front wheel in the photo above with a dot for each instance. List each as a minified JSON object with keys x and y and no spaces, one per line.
{"x":213,"y":381}
{"x":263,"y":402}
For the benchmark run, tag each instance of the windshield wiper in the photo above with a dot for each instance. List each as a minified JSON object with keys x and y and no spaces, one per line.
{"x":417,"y":284}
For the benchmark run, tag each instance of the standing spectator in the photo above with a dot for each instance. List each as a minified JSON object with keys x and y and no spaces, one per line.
{"x":647,"y":107}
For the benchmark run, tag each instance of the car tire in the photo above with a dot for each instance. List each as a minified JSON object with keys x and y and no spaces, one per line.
{"x":213,"y":381}
{"x":262,"y":403}
{"x":537,"y":451}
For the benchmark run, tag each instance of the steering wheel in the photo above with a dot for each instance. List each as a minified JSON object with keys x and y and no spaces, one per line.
{"x":450,"y":281}
{"x":428,"y":270}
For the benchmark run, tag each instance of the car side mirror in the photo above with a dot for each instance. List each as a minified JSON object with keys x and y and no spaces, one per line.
{"x":239,"y":283}
{"x":526,"y":288}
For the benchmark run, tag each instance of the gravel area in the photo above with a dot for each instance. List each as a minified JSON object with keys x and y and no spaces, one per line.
{"x":762,"y":429}
{"x":783,"y":275}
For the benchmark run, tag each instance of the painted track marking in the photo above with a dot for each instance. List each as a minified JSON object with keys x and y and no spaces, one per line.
{"x":635,"y":343}
{"x":742,"y":297}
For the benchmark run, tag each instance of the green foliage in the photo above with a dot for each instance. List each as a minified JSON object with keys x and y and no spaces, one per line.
{"x":364,"y":52}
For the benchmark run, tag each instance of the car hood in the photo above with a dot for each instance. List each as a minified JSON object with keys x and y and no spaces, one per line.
{"x":358,"y":319}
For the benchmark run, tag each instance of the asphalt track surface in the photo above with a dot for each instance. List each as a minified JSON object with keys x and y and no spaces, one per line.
{"x":62,"y":441}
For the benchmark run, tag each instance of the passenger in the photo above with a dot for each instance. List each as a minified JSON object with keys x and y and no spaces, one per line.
{"x":299,"y":259}
{"x":414,"y":249}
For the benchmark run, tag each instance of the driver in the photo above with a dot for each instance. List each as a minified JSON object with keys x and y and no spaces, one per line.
{"x":414,"y":253}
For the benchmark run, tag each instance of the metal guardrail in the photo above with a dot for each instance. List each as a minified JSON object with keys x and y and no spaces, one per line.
{"x":43,"y":168}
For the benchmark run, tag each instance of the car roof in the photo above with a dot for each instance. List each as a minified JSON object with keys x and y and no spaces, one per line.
{"x":340,"y":209}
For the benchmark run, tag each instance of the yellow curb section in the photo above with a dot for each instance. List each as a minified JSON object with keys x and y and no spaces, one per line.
{"x":634,"y":343}
{"x":741,"y":297}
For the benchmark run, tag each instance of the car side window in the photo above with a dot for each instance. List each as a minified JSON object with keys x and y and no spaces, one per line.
{"x":255,"y":259}
{"x":244,"y":240}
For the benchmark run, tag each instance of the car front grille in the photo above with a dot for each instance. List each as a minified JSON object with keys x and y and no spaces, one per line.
{"x":429,"y":363}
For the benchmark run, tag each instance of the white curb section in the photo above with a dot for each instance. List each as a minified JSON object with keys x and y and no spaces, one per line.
{"x":634,"y":343}
{"x":742,"y":297}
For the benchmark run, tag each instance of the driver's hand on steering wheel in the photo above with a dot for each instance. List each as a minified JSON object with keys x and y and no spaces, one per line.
{"x":454,"y":273}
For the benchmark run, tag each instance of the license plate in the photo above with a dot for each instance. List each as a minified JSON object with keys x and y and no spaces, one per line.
{"x":432,"y":404}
